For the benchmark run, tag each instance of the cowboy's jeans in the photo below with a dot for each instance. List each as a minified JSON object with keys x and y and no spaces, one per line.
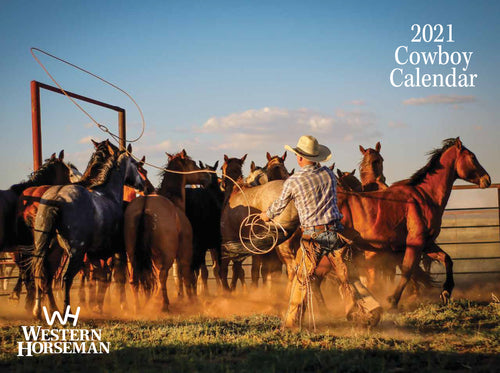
{"x":319,"y":253}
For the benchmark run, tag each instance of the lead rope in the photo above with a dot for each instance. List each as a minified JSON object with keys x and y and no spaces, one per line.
{"x":250,"y":221}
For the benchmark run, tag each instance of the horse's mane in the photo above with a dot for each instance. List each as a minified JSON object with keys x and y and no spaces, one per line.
{"x":38,"y":177}
{"x":103,"y":175}
{"x":164,"y":171}
{"x":98,"y":159}
{"x":431,"y":166}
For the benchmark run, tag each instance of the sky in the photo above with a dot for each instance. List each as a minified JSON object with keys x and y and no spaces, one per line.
{"x":232,"y":78}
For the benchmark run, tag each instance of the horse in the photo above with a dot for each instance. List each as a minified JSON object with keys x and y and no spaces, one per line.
{"x":407,"y":216}
{"x":203,"y":209}
{"x":157,"y":231}
{"x":236,"y":209}
{"x":53,"y":171}
{"x":270,"y":264}
{"x":348,"y":181}
{"x":257,"y":175}
{"x":84,"y":221}
{"x":275,"y":167}
{"x":372,"y":169}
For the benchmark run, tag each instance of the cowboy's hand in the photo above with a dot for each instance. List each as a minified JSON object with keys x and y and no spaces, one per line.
{"x":264,"y":216}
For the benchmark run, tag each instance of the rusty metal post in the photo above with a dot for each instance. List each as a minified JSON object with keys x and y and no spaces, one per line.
{"x":498,"y":205}
{"x":122,"y":132}
{"x":36,"y":129}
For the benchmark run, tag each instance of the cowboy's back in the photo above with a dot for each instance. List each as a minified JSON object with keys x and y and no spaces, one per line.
{"x":313,"y":190}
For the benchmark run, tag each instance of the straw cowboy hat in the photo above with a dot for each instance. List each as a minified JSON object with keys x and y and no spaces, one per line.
{"x":308,"y":148}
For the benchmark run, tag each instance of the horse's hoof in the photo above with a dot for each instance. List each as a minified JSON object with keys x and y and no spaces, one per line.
{"x":124,"y":307}
{"x":97,"y":309}
{"x":445,"y":297}
{"x":165,"y":309}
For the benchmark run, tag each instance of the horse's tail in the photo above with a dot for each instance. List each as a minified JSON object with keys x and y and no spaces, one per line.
{"x":424,"y":278}
{"x":44,"y":232}
{"x":142,"y":260}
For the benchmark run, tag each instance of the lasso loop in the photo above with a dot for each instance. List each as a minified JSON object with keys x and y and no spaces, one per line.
{"x":250,"y":221}
{"x":102,"y":127}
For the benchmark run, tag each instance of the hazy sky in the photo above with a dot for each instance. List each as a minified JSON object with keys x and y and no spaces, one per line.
{"x":235,"y":77}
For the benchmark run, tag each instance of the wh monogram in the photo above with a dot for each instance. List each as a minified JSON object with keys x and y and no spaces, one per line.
{"x":63,"y":321}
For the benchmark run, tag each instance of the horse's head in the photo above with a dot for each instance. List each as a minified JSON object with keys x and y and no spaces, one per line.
{"x":53,"y":172}
{"x":148,"y":187}
{"x":372,"y":163}
{"x":214,"y":179}
{"x":102,"y":152}
{"x":275,"y":167}
{"x":183,"y":163}
{"x":232,"y":167}
{"x":132,"y":176}
{"x":348,"y":181}
{"x":74,"y":174}
{"x":257,"y":175}
{"x":468,"y":167}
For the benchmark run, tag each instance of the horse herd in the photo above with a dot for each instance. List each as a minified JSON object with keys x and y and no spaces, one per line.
{"x":97,"y":224}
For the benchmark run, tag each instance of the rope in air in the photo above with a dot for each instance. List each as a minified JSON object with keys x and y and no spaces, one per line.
{"x":250,"y":222}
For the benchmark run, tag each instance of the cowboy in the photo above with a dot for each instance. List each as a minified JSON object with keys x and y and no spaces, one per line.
{"x":313,"y":190}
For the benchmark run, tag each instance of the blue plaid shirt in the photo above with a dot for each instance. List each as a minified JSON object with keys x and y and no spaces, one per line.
{"x":314,"y":192}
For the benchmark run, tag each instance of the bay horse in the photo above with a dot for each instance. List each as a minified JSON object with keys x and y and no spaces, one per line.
{"x":157,"y":231}
{"x":83,"y":221}
{"x":407,"y":216}
{"x":384,"y":263}
{"x":203,"y":209}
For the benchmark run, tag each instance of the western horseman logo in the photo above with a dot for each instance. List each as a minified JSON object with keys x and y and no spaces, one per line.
{"x":56,"y":314}
{"x":61,"y":341}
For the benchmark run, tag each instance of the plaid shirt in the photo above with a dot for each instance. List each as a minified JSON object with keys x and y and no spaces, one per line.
{"x":314,"y":191}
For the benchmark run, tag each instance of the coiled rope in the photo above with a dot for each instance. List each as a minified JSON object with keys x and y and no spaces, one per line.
{"x":251,"y":221}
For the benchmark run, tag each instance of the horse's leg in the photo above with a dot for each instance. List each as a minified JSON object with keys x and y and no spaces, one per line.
{"x":163,"y":276}
{"x":238,"y":274}
{"x":16,"y":293}
{"x":74,"y":265}
{"x":215,"y":267}
{"x":120,"y":276}
{"x":204,"y":278}
{"x":433,"y":251}
{"x":54,"y":261}
{"x":178,"y":278}
{"x":410,"y":261}
{"x":223,"y":272}
{"x":255,"y":271}
{"x":27,"y":277}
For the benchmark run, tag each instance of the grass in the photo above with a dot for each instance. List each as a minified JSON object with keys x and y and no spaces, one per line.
{"x":463,"y":336}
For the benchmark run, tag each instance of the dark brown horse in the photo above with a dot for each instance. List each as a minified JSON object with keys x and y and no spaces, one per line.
{"x":348,"y":181}
{"x":203,"y":209}
{"x":157,"y":231}
{"x":406,"y":217}
{"x":53,"y":171}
